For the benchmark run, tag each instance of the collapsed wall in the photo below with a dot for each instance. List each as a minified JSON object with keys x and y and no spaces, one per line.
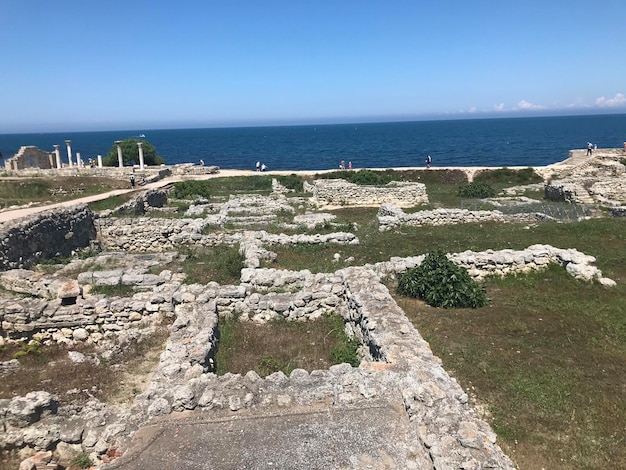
{"x":46,"y":235}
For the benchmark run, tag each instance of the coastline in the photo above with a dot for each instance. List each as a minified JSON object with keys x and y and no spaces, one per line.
{"x":575,"y":157}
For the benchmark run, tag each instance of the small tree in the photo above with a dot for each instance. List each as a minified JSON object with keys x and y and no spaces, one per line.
{"x":441,"y":283}
{"x":130,"y":154}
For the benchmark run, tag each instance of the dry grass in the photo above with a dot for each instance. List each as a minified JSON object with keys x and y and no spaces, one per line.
{"x":49,"y":369}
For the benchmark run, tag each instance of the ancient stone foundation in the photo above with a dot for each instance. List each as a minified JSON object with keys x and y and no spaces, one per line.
{"x":391,"y":216}
{"x":337,"y":192}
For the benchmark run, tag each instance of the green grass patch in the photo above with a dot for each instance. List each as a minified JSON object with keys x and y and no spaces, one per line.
{"x":217,"y":187}
{"x":18,"y":191}
{"x":282,"y":345}
{"x":118,"y":290}
{"x":508,"y":176}
{"x":546,"y":359}
{"x":221,"y":264}
{"x":110,"y":203}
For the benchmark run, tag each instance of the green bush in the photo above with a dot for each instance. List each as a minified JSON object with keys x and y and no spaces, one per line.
{"x":191,"y":188}
{"x":440,"y":283}
{"x":293,"y":182}
{"x":477,"y":189}
{"x":361,"y":177}
{"x":509,"y":176}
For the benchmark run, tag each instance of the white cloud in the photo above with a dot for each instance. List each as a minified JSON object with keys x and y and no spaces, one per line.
{"x":499,"y":107}
{"x":526,"y":105}
{"x":618,"y":100}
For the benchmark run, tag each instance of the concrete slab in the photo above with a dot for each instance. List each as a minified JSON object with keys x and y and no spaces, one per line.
{"x":374,"y":437}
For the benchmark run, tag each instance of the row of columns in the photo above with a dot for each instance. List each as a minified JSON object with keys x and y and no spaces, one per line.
{"x":120,"y":160}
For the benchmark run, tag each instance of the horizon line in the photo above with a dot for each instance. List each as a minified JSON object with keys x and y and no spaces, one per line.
{"x":347,"y":121}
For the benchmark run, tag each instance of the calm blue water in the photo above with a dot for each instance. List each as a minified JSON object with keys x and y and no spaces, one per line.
{"x":476,"y":142}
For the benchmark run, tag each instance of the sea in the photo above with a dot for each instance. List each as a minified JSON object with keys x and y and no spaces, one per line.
{"x":527,"y":141}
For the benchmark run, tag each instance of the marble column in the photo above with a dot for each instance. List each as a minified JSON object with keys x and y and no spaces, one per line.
{"x":99,"y":161}
{"x":79,"y":162}
{"x":120,"y":160}
{"x":69,"y":151}
{"x":140,"y":146}
{"x":57,"y":154}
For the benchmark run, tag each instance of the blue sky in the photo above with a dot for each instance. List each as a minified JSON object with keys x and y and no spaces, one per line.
{"x":74,"y":65}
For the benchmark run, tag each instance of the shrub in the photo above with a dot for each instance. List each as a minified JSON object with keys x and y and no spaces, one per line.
{"x":190,"y":189}
{"x":82,"y":460}
{"x":509,"y":176}
{"x":293,"y":182}
{"x":368,"y":177}
{"x":361,"y":177}
{"x":440,"y":283}
{"x":477,"y":189}
{"x":26,"y":349}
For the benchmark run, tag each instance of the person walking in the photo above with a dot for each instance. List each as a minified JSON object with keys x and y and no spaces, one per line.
{"x":428,"y":161}
{"x":258,"y":166}
{"x":132,"y":181}
{"x":589,"y":148}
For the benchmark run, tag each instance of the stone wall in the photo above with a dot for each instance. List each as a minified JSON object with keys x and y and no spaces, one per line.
{"x":503,"y":262}
{"x":30,"y":157}
{"x":391,"y":216}
{"x":337,"y":192}
{"x":48,"y":234}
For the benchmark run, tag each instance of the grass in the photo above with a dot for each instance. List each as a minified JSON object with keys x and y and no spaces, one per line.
{"x":221,"y":264}
{"x":48,"y":368}
{"x":110,"y":203}
{"x":282,"y":345}
{"x":216,"y":187}
{"x":118,"y":290}
{"x":546,"y":359}
{"x":18,"y":191}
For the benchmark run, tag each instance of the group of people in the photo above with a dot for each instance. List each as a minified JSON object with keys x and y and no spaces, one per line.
{"x":590,"y":148}
{"x":342,"y":165}
{"x":260,"y":166}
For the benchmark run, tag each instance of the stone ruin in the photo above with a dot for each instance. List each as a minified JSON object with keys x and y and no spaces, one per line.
{"x":30,"y":157}
{"x":338,"y":192}
{"x":441,"y":429}
{"x":596,"y":179}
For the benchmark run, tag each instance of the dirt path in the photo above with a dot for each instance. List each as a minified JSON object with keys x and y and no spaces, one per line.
{"x":27,"y":211}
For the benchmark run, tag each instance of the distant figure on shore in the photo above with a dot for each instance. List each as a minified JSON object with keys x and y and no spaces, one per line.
{"x":589,"y":148}
{"x":132,"y":181}
{"x":428,"y":161}
{"x":263,"y":167}
{"x":349,"y":165}
{"x":201,"y":162}
{"x":342,"y":165}
{"x":258,"y":166}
